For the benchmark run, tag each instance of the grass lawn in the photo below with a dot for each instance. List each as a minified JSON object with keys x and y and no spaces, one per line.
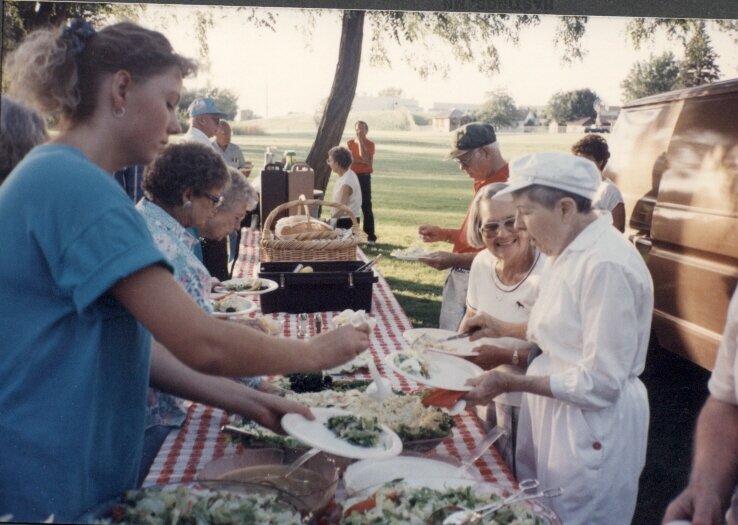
{"x":411,"y":185}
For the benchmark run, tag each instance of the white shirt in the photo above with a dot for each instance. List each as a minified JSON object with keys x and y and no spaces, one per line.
{"x":607,"y":197}
{"x":592,"y":320}
{"x":723,"y":383}
{"x":195,"y":135}
{"x":352,"y":181}
{"x":487,"y":294}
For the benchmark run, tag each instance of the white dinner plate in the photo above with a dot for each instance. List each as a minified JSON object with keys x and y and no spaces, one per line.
{"x":267,"y":286}
{"x":446,"y":371}
{"x":459,"y":347}
{"x":246,"y":307}
{"x":364,"y":474}
{"x":317,"y":435}
{"x":407,"y":255}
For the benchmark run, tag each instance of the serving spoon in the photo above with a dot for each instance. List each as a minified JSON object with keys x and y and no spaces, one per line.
{"x":382,"y":388}
{"x":492,"y":436}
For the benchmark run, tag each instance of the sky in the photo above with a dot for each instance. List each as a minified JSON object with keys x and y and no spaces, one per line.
{"x":275,"y":73}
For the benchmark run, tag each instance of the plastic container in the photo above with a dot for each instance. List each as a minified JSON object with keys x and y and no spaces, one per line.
{"x":331,"y":286}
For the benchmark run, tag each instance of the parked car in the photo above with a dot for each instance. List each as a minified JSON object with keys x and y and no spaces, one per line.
{"x":595,"y":129}
{"x":675,"y":158}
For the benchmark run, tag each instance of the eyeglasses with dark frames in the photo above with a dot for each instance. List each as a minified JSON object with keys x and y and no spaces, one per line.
{"x":216,"y":200}
{"x":490,"y":229}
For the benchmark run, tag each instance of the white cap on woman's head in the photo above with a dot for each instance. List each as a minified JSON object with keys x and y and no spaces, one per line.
{"x":562,"y":171}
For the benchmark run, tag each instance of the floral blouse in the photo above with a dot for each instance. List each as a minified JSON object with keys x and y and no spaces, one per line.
{"x":176,"y":243}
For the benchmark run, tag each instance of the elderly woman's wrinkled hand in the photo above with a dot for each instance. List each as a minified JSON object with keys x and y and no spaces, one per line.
{"x":340,"y":345}
{"x":438,"y":260}
{"x":486,"y":387}
{"x":482,"y":325}
{"x":491,"y":356}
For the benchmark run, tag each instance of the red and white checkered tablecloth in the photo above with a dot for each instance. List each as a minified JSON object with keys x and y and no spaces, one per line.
{"x":199,"y":441}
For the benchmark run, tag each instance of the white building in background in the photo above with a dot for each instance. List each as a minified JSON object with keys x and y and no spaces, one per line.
{"x":367,"y":103}
{"x":440,"y":107}
{"x":450,"y":120}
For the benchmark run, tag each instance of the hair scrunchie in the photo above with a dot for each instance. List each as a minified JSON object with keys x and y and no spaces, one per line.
{"x":79,"y":31}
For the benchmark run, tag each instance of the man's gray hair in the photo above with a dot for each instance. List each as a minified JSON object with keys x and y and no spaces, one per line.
{"x":239,"y":190}
{"x":20,"y":130}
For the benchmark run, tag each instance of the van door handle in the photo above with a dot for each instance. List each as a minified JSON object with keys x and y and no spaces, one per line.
{"x":643,"y":241}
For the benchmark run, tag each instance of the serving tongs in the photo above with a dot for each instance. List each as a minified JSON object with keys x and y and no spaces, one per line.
{"x":366,"y":266}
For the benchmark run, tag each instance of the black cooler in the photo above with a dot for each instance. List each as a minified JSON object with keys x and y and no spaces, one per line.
{"x":331,"y":286}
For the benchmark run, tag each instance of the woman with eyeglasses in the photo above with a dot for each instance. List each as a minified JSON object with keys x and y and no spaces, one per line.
{"x":503,"y":282}
{"x":85,"y":287}
{"x":184,"y":188}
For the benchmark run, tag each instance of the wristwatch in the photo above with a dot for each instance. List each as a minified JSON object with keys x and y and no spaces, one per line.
{"x":516,"y":358}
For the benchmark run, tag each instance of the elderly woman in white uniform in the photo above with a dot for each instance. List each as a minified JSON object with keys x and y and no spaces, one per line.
{"x":584,"y":416}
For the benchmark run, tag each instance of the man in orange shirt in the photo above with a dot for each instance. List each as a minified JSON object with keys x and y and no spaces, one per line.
{"x":362,"y":149}
{"x":476,"y":150}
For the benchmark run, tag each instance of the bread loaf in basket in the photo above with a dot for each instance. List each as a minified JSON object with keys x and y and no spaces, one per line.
{"x":291,"y":227}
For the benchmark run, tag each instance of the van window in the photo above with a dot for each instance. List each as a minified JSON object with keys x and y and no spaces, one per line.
{"x":698,"y":197}
{"x":638,"y":144}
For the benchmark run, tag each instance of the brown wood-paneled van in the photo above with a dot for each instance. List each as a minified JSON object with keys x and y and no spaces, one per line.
{"x":675,"y":158}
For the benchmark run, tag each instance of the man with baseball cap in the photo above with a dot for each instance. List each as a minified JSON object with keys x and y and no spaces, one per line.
{"x":476,"y":150}
{"x":204,"y":120}
{"x":584,"y":416}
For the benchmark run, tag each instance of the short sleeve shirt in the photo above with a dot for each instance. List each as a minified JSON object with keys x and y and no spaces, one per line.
{"x":723,"y":383}
{"x":357,"y":166}
{"x":74,"y":364}
{"x":511,"y":304}
{"x":349,"y":179}
{"x":607,"y":197}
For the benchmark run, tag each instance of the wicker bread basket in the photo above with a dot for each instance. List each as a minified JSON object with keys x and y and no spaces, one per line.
{"x":309,"y":246}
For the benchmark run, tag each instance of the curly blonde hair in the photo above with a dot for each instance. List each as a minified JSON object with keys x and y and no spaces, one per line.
{"x":49,"y":72}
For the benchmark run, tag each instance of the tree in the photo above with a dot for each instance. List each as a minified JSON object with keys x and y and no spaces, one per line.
{"x":390,"y":92}
{"x":699,"y":64}
{"x":499,"y":109}
{"x":566,"y":106}
{"x":648,"y":77}
{"x":338,"y":105}
{"x":249,"y":114}
{"x":470,"y":35}
{"x":22,"y":17}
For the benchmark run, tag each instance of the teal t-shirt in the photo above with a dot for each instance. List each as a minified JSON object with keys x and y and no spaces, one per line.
{"x":74,"y":364}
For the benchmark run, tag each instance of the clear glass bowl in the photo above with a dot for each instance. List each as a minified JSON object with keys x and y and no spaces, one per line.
{"x":313,"y":485}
